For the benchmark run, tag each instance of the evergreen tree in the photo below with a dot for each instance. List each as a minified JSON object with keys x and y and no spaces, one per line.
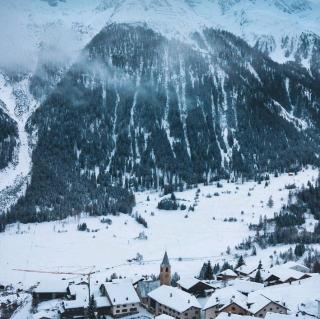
{"x":299,"y":250}
{"x":258,"y":277}
{"x":203,"y":271}
{"x":240,"y":262}
{"x":209,"y":272}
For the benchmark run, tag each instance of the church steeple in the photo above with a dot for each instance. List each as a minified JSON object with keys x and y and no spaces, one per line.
{"x":165,"y":271}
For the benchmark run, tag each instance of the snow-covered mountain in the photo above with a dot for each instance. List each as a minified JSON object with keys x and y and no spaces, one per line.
{"x":63,"y":27}
{"x":275,"y":26}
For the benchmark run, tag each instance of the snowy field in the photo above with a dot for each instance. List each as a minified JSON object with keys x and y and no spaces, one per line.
{"x":189,"y":241}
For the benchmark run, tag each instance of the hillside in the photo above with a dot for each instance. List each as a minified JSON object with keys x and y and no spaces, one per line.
{"x":148,"y":112}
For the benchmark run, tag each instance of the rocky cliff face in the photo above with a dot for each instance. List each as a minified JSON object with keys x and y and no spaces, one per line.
{"x":143,"y":111}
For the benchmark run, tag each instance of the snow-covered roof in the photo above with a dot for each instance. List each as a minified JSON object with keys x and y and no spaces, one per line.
{"x":246,"y":269}
{"x":174,"y":298}
{"x":296,"y":266}
{"x":102,"y":302}
{"x":284,"y":273}
{"x":272,"y":315}
{"x":44,"y":314}
{"x":163,"y":316}
{"x":121,"y":293}
{"x":228,"y":272}
{"x":74,"y":304}
{"x":52,"y":286}
{"x":225,"y":315}
{"x":245,"y":286}
{"x":80,"y":291}
{"x":224,"y":296}
{"x":259,"y":302}
{"x":144,"y":287}
{"x":134,"y":279}
{"x":188,"y":282}
{"x":297,"y":296}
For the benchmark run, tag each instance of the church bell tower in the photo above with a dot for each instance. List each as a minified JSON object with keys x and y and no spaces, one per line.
{"x":165,"y":271}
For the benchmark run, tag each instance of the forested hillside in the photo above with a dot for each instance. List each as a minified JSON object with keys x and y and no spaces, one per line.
{"x":141,"y":111}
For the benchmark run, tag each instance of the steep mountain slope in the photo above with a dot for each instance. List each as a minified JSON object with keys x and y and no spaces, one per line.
{"x":8,"y":135}
{"x":149,"y":111}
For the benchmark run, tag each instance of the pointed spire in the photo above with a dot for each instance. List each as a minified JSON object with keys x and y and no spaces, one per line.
{"x":165,"y":261}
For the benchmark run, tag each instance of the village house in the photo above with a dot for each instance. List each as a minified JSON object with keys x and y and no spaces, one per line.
{"x":296,"y":266}
{"x":226,"y":275}
{"x":144,"y":287}
{"x":245,"y":271}
{"x":280,"y":275}
{"x":123,"y":298}
{"x":49,"y":290}
{"x":261,"y":305}
{"x":195,"y":286}
{"x":245,"y":286}
{"x":225,"y":300}
{"x":73,"y":309}
{"x":174,"y":302}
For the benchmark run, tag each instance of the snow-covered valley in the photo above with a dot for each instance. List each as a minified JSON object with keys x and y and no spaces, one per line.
{"x":189,"y":237}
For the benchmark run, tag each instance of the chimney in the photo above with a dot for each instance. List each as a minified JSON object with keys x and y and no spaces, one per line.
{"x":170,"y":294}
{"x":188,"y":300}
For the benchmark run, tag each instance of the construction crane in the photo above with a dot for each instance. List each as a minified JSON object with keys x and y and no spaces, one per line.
{"x":88,"y":275}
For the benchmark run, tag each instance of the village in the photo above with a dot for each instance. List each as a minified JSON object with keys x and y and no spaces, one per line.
{"x":242,"y":293}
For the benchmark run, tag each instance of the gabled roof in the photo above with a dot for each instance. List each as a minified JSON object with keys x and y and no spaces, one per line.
{"x":246,"y":269}
{"x":240,"y":304}
{"x":121,"y":293}
{"x":245,"y":286}
{"x":260,"y":302}
{"x":225,"y":296}
{"x":228,"y":272}
{"x":52,"y":286}
{"x":102,"y":302}
{"x":224,"y":315}
{"x":164,"y":316}
{"x":174,"y":298}
{"x":272,"y":315}
{"x":165,"y":260}
{"x":189,"y":282}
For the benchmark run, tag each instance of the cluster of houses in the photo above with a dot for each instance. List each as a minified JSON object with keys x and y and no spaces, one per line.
{"x":233,"y":293}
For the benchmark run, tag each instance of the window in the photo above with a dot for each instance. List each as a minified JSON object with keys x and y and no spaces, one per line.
{"x":133,"y":309}
{"x":167,"y":269}
{"x":233,"y":308}
{"x":124,"y":310}
{"x":117,"y":311}
{"x":261,"y":315}
{"x":124,"y":305}
{"x":270,"y":309}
